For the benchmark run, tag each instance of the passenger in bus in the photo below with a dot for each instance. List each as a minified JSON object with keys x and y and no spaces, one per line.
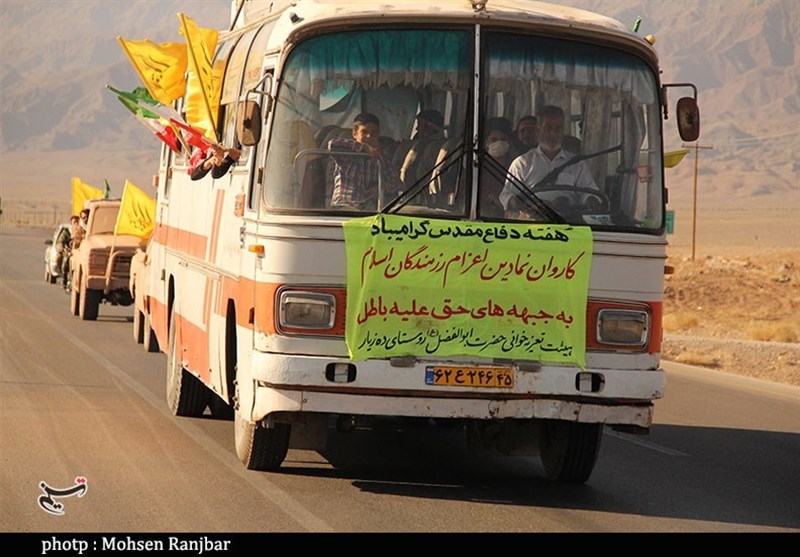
{"x":526,"y":134}
{"x":498,"y":141}
{"x":430,"y":124}
{"x":355,"y":179}
{"x":216,"y":159}
{"x":419,"y":155}
{"x":533,"y":166}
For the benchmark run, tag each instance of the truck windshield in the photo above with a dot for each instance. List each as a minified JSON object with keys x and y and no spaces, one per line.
{"x":104,"y":219}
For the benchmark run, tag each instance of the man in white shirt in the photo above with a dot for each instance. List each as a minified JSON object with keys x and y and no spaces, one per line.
{"x":540,"y":161}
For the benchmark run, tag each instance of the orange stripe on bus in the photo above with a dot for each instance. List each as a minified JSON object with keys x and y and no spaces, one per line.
{"x":181,"y":240}
{"x":218,"y":203}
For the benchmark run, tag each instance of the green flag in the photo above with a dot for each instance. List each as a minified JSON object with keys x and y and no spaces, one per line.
{"x":108,"y":189}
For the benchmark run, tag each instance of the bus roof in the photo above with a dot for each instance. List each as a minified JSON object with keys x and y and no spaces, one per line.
{"x":301,"y":13}
{"x":528,"y":10}
{"x":293,"y":18}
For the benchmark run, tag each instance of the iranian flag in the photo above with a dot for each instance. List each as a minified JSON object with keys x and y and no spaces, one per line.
{"x":192,"y":135}
{"x":139,"y":101}
{"x":146,"y":110}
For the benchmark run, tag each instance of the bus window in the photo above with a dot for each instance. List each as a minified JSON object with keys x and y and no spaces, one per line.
{"x":231,"y":83}
{"x":328,"y":80}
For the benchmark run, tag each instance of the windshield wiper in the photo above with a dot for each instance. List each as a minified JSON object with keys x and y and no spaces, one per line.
{"x":410,"y":193}
{"x":551,"y":176}
{"x":523,"y":192}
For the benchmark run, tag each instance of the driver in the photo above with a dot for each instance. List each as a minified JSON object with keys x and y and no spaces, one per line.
{"x":538,"y":162}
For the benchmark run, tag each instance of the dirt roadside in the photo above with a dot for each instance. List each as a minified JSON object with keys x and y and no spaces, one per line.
{"x":736,"y":311}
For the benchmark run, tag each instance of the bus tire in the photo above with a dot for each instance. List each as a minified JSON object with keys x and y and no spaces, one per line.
{"x":89,"y":303}
{"x":186,"y":394}
{"x":149,"y":338}
{"x":569,"y":450}
{"x":138,"y":326}
{"x":258,"y":447}
{"x":220,"y":409}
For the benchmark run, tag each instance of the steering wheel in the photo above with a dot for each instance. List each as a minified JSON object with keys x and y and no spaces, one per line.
{"x":597,"y":202}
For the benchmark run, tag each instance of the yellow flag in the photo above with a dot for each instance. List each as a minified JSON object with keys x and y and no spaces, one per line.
{"x":674,"y":158}
{"x":203,"y":84}
{"x":81,"y":193}
{"x":161,"y":67}
{"x":136,"y":213}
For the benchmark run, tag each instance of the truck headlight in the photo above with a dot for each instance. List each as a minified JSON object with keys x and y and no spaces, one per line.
{"x":622,"y":327}
{"x":307,"y":310}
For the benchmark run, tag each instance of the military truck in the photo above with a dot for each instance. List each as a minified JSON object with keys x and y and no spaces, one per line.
{"x":101,"y":264}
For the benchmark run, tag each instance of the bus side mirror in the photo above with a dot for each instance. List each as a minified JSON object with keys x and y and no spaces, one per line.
{"x":248,"y":123}
{"x":688,"y":119}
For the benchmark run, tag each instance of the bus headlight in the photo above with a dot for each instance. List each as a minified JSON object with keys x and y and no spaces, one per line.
{"x":622,"y":327}
{"x":307,"y":310}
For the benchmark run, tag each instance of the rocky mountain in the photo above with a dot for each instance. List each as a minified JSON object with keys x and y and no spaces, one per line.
{"x":57,"y":120}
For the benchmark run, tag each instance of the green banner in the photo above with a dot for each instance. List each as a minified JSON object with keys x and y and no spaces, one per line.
{"x":425,"y":287}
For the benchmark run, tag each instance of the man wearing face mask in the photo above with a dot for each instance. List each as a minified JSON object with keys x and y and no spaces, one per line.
{"x":498,"y":138}
{"x":537,"y":163}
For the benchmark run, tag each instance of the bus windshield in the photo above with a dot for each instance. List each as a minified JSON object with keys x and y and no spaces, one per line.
{"x":568,"y":132}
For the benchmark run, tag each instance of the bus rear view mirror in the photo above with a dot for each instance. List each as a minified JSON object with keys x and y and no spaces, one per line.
{"x":248,"y":123}
{"x":688,"y":119}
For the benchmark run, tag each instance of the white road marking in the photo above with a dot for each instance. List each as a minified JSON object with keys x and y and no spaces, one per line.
{"x":636,"y":441}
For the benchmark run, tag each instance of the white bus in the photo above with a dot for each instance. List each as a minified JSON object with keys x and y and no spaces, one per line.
{"x":249,"y":272}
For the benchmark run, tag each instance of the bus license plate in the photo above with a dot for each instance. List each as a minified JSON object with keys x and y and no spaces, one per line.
{"x":455,"y":376}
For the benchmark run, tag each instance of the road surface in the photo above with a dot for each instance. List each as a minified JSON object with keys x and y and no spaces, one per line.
{"x":81,"y":400}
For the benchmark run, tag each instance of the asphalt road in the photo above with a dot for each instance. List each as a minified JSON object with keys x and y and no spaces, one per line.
{"x":81,"y":400}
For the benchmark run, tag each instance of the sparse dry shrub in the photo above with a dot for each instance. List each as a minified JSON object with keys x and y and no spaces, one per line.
{"x":775,"y":332}
{"x":693,"y":358}
{"x":678,"y":322}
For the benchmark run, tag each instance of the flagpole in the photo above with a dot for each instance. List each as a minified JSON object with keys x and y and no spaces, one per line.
{"x":196,"y":67}
{"x":109,"y":265}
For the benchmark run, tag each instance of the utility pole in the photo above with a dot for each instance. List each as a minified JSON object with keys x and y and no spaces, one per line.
{"x":696,"y":148}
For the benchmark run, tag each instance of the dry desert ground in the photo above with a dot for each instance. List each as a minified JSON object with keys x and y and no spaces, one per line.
{"x":736,"y":306}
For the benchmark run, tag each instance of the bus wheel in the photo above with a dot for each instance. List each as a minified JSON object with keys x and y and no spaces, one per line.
{"x":149,"y":338}
{"x":258,"y":447}
{"x":569,"y":450}
{"x":186,"y":394}
{"x":138,"y":326}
